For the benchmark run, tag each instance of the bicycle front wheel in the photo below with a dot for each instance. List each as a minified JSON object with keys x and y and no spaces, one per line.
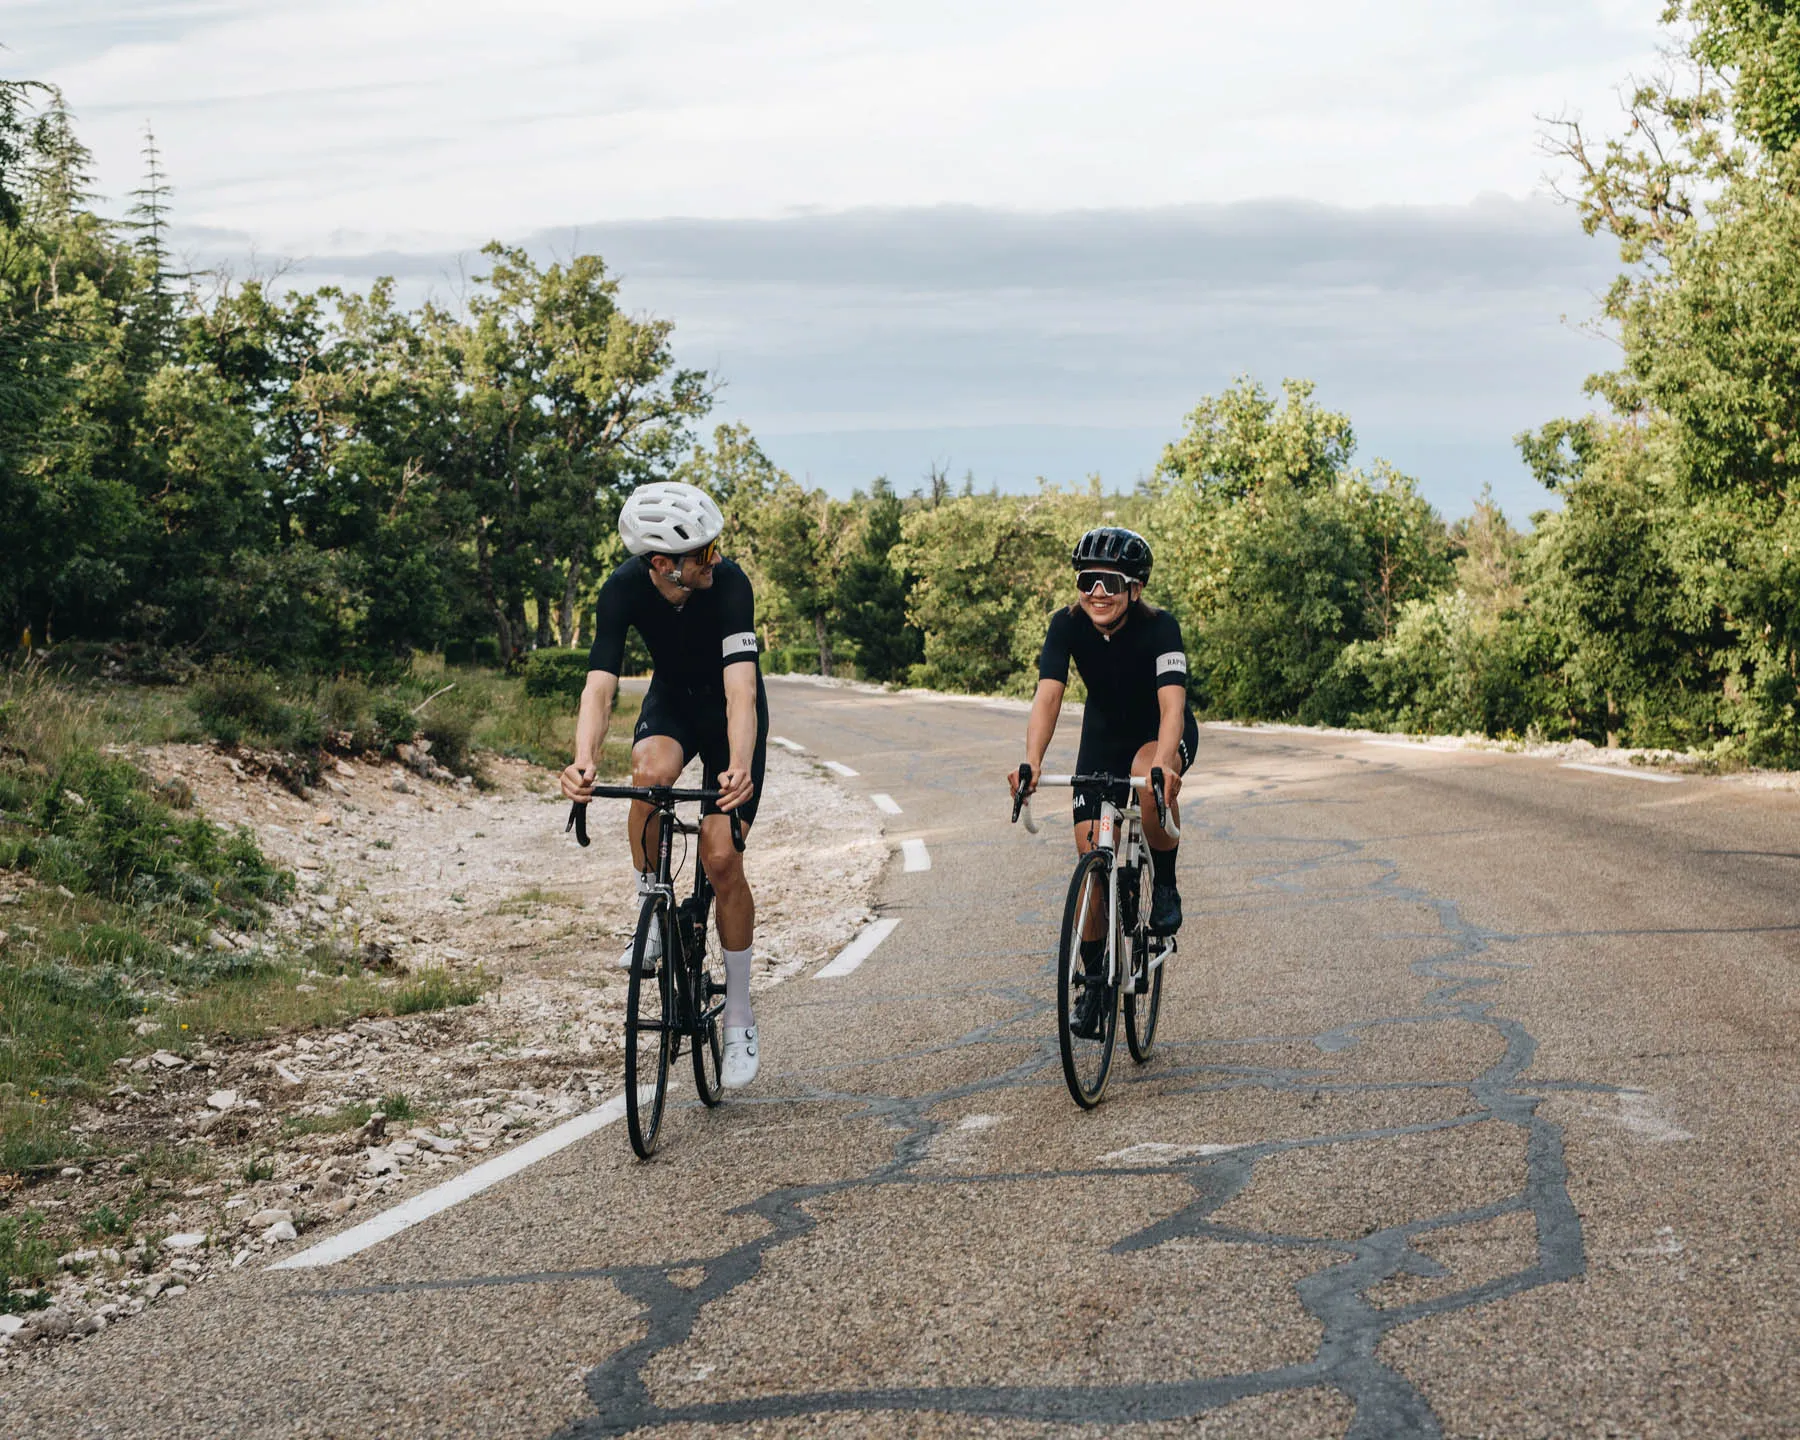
{"x":708,"y":1041}
{"x":1143,"y":1006}
{"x":648,"y":1014}
{"x":1086,"y":1024}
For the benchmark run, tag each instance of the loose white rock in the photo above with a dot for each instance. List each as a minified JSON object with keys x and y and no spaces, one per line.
{"x":11,"y":1325}
{"x":278,"y":1233}
{"x":223,"y":1100}
{"x":166,"y":1060}
{"x":185,"y":1240}
{"x":263,"y":1219}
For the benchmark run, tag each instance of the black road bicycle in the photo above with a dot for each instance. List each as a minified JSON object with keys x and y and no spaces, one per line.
{"x":1111,"y":889}
{"x":675,"y":997}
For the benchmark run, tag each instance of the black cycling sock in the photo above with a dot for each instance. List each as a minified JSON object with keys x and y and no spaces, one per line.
{"x":1162,"y":865}
{"x":1093,"y":956}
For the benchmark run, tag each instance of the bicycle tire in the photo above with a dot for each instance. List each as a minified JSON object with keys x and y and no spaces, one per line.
{"x":647,"y":1033}
{"x":1143,"y":1011}
{"x":707,"y":1043}
{"x":1086,"y":1061}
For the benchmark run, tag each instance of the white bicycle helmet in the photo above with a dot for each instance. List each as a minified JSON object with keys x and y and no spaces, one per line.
{"x":667,"y":517}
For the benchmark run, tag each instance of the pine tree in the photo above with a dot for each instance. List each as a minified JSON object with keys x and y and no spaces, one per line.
{"x":149,"y":217}
{"x":61,"y":168}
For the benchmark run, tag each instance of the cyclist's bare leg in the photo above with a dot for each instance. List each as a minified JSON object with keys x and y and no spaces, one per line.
{"x":1094,"y":927}
{"x":655,"y":760}
{"x":725,"y":868}
{"x":1159,"y":838}
{"x":736,"y":913}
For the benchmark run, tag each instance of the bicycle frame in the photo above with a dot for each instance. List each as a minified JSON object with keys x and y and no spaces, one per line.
{"x":663,"y":800}
{"x":1121,"y":834}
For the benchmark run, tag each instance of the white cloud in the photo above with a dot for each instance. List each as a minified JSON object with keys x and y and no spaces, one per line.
{"x":347,"y":123}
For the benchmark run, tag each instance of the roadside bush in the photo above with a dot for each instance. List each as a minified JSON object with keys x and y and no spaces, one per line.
{"x":450,"y":727}
{"x":235,"y":703}
{"x":553,"y":673}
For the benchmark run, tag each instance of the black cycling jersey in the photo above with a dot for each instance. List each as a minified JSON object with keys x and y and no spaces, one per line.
{"x":690,"y":644}
{"x":1124,"y":672}
{"x":1125,"y":675}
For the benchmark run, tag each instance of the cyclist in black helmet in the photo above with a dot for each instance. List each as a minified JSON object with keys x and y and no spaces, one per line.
{"x":1130,"y":656}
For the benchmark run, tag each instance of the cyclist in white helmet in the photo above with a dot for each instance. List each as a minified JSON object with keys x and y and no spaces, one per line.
{"x":697,"y":616}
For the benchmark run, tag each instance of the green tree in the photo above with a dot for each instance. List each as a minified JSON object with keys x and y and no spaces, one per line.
{"x":873,"y":592}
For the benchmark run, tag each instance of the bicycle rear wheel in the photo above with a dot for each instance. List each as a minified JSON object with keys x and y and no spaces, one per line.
{"x":1086,"y":1057}
{"x":1143,"y":1007}
{"x":648,"y":1014}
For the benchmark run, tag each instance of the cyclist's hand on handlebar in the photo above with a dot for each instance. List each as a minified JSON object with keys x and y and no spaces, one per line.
{"x":578,"y":783}
{"x":736,"y":786}
{"x":1171,"y":781}
{"x":1012,"y":782}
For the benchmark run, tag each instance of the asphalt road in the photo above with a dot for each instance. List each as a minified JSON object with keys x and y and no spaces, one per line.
{"x":1473,"y":1115}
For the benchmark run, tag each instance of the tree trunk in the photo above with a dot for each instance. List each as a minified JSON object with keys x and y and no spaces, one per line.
{"x":484,"y":572}
{"x":568,"y":617}
{"x":824,"y":636}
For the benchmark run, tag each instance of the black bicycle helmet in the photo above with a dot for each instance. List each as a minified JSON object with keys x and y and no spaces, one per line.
{"x":1112,"y":548}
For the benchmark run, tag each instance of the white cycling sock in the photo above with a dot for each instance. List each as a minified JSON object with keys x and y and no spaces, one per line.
{"x":737,"y":987}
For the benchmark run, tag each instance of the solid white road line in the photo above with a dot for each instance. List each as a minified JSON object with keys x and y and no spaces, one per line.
{"x":453,"y":1192}
{"x":839,"y":769}
{"x":787,"y":744}
{"x":858,"y":950}
{"x":885,"y":803}
{"x":1413,"y":745}
{"x":1622,"y":773}
{"x":917,"y":856}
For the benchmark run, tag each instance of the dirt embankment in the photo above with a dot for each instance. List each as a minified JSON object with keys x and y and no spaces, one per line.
{"x":419,"y":875}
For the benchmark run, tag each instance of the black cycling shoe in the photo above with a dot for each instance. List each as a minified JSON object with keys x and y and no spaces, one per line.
{"x":1165,"y":909}
{"x":1089,"y":1009}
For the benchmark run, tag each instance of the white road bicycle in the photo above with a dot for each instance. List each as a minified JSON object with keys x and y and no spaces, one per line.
{"x":1109,"y":897}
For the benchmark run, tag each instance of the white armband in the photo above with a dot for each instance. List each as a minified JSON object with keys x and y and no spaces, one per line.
{"x":741,"y":644}
{"x":1173,"y":663}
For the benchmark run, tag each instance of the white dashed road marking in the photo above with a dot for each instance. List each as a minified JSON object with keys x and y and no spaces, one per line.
{"x":838,"y":768}
{"x":885,"y":803}
{"x":917,"y":856}
{"x":1622,"y":773}
{"x":787,"y":744}
{"x":858,"y":950}
{"x":453,"y":1192}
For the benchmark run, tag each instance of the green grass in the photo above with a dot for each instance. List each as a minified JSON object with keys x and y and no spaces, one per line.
{"x":335,"y":1122}
{"x":27,"y":1260}
{"x":398,"y":1107}
{"x":436,"y":990}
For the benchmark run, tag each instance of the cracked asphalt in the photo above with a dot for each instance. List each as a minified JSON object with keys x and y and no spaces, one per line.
{"x":1471,"y":1115}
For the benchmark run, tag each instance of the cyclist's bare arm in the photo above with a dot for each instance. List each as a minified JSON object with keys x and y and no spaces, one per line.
{"x":591,"y":723}
{"x":1046,"y":707}
{"x":1172,"y":701}
{"x":737,"y":783}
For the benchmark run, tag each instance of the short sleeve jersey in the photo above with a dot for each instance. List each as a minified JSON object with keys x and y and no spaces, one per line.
{"x":1124,"y":672}
{"x":690,"y":644}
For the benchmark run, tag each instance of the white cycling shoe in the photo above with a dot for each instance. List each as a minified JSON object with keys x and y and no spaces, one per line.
{"x":742,"y":1057}
{"x":652,"y":948}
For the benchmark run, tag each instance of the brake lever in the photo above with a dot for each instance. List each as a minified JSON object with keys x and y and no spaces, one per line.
{"x":578,"y":823}
{"x":1022,"y":794}
{"x":1156,"y":789}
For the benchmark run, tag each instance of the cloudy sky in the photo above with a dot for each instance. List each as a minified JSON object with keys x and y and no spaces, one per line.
{"x":1020,"y":237}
